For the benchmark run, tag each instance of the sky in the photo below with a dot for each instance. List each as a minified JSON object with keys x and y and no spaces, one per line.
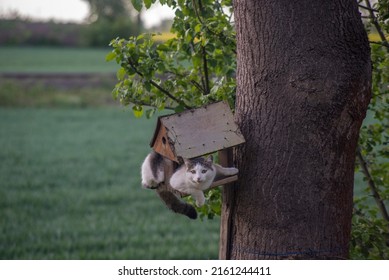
{"x":70,"y":10}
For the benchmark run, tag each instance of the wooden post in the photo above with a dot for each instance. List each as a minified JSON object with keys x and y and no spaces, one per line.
{"x":226,"y":160}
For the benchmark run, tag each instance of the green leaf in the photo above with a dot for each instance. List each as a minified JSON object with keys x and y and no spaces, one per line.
{"x":198,"y":28}
{"x":180,"y":108}
{"x":110,"y":56}
{"x":138,"y":111}
{"x":148,"y":3}
{"x":120,"y":73}
{"x":163,"y":47}
{"x":150,"y":113}
{"x":147,"y":85}
{"x":138,"y":4}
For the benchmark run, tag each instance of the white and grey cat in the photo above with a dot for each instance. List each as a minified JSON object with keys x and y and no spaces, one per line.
{"x":192,"y":177}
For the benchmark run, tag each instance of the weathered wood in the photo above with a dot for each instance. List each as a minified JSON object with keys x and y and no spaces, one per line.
{"x":162,"y":146}
{"x":196,"y":132}
{"x":224,"y":181}
{"x":226,"y":160}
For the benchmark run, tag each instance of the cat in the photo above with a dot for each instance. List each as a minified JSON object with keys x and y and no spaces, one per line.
{"x":197,"y":175}
{"x":192,"y":177}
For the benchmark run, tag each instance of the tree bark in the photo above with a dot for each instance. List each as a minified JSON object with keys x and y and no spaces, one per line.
{"x":303,"y":86}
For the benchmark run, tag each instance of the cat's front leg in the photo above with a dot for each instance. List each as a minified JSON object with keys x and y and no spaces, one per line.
{"x":226,"y":171}
{"x":199,"y":197}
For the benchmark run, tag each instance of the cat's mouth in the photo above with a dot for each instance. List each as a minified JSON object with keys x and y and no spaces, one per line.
{"x":197,"y":181}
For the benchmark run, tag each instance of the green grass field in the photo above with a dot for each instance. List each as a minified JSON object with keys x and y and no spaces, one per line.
{"x":70,"y":189}
{"x":54,"y":60}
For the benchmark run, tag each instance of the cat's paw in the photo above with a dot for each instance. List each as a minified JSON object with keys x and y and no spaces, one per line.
{"x":150,"y":185}
{"x":200,"y":201}
{"x":233,"y":171}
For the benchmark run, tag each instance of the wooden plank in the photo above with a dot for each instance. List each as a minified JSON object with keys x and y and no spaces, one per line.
{"x":226,"y":160}
{"x":224,"y":181}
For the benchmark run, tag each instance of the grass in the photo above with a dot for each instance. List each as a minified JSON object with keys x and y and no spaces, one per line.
{"x":70,"y":189}
{"x":54,"y":60}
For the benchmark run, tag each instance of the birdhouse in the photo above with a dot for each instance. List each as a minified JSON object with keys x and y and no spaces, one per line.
{"x":196,"y":132}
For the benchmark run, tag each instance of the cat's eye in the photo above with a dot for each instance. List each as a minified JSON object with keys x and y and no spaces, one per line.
{"x":193,"y":171}
{"x":204,"y":171}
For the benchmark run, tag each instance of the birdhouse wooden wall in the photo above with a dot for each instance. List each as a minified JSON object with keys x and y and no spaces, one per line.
{"x":196,"y":132}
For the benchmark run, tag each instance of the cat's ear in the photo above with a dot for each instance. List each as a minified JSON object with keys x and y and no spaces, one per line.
{"x":209,"y":159}
{"x":186,"y":161}
{"x":181,"y":160}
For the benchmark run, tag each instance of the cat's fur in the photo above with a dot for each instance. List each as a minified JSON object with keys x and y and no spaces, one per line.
{"x":192,"y":177}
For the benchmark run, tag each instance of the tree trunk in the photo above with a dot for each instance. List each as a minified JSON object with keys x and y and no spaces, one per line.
{"x":303,"y":86}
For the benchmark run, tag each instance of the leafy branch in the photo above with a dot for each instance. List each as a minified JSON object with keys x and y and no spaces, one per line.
{"x":373,"y":188}
{"x":153,"y":83}
{"x":375,"y":22}
{"x":194,"y":68}
{"x":370,"y":232}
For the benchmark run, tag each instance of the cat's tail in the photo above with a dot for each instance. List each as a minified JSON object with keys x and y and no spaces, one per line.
{"x":177,"y":205}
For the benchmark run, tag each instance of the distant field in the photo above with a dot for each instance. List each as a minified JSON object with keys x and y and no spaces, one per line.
{"x":55,"y":60}
{"x":70,"y":189}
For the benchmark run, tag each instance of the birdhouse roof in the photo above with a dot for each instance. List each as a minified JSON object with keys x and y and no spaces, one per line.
{"x":196,"y":132}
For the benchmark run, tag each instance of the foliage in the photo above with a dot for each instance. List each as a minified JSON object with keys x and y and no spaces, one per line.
{"x":194,"y":68}
{"x":108,"y":10}
{"x":101,"y":32}
{"x":370,"y":235}
{"x":198,"y":66}
{"x":109,"y":19}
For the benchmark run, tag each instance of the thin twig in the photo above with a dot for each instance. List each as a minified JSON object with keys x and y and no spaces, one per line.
{"x":372,"y":186}
{"x":205,"y":78}
{"x":193,"y":82}
{"x":164,"y":91}
{"x":379,"y":43}
{"x":206,"y":74}
{"x":148,"y":104}
{"x":368,"y":8}
{"x":221,"y":36}
{"x":376,"y":24}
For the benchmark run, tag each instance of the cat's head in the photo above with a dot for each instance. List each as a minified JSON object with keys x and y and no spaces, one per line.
{"x":200,"y":170}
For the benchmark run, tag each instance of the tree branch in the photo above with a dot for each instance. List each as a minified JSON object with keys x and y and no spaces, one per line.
{"x":376,"y":24}
{"x":135,"y":102}
{"x":153,"y":83}
{"x":368,"y":8}
{"x":372,"y":186}
{"x":193,"y":82}
{"x":206,"y":75}
{"x":219,"y":35}
{"x":379,"y":43}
